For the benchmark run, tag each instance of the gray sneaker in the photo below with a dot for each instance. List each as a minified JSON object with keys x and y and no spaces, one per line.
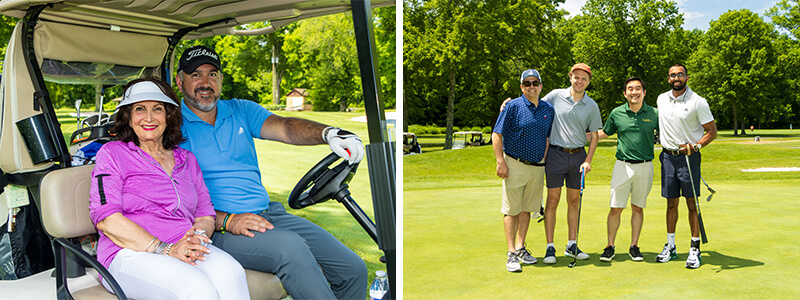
{"x":525,"y":257}
{"x":512,"y":265}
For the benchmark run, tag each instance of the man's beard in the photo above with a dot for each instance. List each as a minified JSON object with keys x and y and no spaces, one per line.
{"x":203,"y":107}
{"x":678,"y":87}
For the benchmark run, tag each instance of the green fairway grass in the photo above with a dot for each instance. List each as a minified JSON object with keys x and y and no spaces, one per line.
{"x":283,"y":165}
{"x":454,"y":246}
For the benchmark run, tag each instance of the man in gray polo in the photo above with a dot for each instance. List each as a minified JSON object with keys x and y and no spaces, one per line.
{"x":576,"y":114}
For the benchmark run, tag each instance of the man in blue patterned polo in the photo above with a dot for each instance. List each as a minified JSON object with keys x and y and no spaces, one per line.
{"x":520,"y":141}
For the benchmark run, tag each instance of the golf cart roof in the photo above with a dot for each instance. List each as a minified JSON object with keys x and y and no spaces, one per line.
{"x":166,"y":17}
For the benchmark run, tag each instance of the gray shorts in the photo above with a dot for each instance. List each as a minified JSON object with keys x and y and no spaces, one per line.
{"x":562,"y":165}
{"x":675,"y":175}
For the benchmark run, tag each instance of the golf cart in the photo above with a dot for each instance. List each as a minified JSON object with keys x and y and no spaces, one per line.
{"x":410,"y":144}
{"x":110,"y":43}
{"x":471,"y":138}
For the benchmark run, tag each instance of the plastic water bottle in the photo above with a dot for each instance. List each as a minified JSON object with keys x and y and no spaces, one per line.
{"x":379,"y":286}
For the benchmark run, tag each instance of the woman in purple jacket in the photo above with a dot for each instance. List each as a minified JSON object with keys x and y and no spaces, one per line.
{"x":152,"y":208}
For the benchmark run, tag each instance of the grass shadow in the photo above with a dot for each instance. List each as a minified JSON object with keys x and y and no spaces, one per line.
{"x":726,"y":262}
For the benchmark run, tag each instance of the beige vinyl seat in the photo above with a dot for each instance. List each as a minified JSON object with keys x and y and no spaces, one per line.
{"x":65,"y":214}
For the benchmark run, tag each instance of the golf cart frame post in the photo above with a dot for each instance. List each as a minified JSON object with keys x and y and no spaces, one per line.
{"x":380,"y":153}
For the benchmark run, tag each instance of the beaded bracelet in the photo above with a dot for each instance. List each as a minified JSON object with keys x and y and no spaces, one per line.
{"x":166,"y":251}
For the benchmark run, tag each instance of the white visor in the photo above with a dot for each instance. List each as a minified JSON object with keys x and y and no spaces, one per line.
{"x":145,"y":91}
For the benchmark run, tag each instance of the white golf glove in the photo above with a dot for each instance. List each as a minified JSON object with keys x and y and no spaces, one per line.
{"x":341,"y":141}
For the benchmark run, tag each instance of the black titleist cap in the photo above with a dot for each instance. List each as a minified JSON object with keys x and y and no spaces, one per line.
{"x":197,"y":56}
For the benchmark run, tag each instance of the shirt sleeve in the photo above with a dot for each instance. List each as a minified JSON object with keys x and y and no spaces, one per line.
{"x":501,"y":119}
{"x":204,"y":206}
{"x":105,"y":195}
{"x":254,"y":114}
{"x":610,"y":127}
{"x":703,"y":111}
{"x":595,"y":121}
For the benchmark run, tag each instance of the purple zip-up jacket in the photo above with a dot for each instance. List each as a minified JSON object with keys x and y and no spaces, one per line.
{"x":127,"y":180}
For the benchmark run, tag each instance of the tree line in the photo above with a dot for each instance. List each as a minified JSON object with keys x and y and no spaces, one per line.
{"x":317,"y":54}
{"x":462,"y":58}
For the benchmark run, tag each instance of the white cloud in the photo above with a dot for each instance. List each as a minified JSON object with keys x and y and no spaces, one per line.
{"x":691,"y":15}
{"x":572,"y":6}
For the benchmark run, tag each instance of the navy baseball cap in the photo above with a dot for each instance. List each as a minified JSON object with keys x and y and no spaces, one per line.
{"x":528,"y":73}
{"x":197,"y":56}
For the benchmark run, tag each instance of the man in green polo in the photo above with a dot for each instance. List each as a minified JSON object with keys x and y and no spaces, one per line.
{"x":635,"y":123}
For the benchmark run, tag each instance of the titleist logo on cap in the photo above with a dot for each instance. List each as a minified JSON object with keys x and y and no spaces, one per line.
{"x":200,"y":52}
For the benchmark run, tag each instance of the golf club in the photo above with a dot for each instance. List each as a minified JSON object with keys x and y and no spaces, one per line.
{"x":578,"y":229}
{"x":710,"y":190}
{"x":696,"y":203}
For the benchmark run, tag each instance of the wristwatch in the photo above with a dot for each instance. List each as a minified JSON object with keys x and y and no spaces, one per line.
{"x":697,"y":147}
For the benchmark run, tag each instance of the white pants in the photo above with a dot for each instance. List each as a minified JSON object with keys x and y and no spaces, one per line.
{"x":635,"y":180}
{"x":153,"y":276}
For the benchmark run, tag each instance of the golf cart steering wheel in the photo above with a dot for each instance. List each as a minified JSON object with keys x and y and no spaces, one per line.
{"x":321,"y":184}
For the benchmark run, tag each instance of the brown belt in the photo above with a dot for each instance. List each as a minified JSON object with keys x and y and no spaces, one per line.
{"x":570,"y":151}
{"x":673,"y":152}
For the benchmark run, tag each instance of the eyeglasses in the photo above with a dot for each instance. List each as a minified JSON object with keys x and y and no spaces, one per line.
{"x":529,"y":83}
{"x":678,"y":75}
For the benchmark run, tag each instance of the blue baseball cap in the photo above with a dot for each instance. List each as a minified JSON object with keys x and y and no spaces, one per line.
{"x":528,"y":73}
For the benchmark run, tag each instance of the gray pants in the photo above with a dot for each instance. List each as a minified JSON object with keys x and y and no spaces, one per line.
{"x":294,"y":251}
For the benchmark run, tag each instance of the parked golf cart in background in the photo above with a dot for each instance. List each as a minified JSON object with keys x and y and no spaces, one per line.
{"x":410,"y":144}
{"x":110,"y":43}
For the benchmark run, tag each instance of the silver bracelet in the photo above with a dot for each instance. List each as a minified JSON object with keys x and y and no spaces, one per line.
{"x":151,"y":243}
{"x":166,"y":252}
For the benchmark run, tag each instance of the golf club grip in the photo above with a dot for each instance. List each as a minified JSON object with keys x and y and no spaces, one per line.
{"x":702,"y":228}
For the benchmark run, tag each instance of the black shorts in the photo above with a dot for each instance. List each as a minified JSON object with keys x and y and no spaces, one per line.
{"x":675,"y":175}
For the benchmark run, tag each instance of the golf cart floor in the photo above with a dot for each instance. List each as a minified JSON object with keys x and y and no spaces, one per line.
{"x":43,"y":286}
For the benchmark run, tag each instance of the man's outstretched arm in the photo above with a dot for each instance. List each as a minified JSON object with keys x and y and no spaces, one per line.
{"x":297,"y":131}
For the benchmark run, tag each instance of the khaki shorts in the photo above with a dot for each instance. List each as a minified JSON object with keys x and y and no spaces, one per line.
{"x":635,"y":180}
{"x":523,"y":188}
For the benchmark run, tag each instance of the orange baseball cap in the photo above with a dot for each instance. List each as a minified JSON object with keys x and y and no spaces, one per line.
{"x":583,"y":67}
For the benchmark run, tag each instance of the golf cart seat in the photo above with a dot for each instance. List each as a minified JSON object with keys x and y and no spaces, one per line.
{"x":65,"y":214}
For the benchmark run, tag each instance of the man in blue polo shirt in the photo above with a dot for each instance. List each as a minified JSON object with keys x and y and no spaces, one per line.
{"x":521,"y":136}
{"x":260,"y":234}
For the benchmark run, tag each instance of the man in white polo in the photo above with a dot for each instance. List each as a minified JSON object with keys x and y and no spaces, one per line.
{"x":686,"y":125}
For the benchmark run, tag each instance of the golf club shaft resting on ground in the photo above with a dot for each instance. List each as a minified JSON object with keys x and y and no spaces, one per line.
{"x":580,"y":203}
{"x":696,"y":203}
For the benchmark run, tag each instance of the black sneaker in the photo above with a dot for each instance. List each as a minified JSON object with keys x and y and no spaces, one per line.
{"x":574,"y":251}
{"x":608,"y":254}
{"x":550,"y":255}
{"x":635,"y":254}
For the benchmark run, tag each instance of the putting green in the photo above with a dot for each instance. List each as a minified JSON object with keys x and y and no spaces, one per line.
{"x":454,"y":247}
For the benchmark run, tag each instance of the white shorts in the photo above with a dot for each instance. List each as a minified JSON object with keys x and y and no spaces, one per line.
{"x":523,"y":188}
{"x":635,"y":180}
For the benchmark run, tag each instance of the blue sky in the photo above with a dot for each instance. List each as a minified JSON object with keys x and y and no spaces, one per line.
{"x":697,"y":13}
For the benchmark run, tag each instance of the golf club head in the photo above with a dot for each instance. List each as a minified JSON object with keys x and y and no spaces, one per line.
{"x":709,"y":197}
{"x":712,"y":191}
{"x":572,"y":264}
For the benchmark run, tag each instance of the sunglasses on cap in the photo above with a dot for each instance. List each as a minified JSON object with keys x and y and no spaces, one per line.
{"x":529,"y":83}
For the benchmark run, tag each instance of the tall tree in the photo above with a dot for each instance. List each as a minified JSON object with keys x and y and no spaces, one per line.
{"x":462,"y":58}
{"x":786,"y":15}
{"x":623,"y":38}
{"x":735,"y":67}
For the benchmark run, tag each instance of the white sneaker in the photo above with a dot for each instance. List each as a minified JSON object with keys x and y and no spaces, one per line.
{"x":694,"y":260}
{"x":571,"y":252}
{"x":667,"y":254}
{"x":512,"y":265}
